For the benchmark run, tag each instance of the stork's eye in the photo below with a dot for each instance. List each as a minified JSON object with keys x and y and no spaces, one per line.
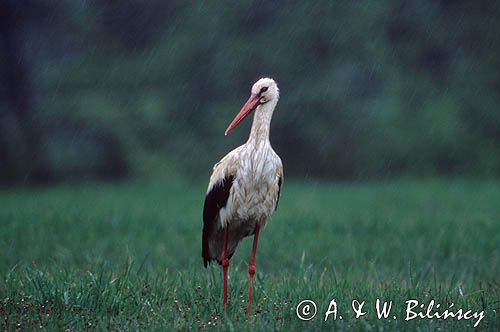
{"x":263,"y":89}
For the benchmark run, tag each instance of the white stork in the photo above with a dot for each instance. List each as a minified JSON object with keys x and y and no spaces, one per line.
{"x":244,"y":188}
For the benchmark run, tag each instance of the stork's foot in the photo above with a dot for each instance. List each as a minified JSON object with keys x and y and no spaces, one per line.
{"x":225,"y":265}
{"x":251,"y":273}
{"x":251,"y":269}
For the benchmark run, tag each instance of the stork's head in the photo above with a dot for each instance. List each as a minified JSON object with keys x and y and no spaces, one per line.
{"x":263,"y":91}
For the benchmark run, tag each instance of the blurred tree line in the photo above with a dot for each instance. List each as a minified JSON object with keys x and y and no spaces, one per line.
{"x":108,"y":89}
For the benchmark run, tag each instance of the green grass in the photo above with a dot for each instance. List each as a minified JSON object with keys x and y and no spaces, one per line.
{"x":128,"y":256}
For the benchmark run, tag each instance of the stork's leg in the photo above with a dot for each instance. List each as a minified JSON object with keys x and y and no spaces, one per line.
{"x":225,"y":264}
{"x":251,"y":268}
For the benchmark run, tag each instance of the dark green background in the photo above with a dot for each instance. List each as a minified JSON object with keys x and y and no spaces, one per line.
{"x":110,"y":89}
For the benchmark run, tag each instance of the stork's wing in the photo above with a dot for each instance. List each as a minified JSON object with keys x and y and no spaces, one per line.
{"x":215,"y":200}
{"x":280,"y":182}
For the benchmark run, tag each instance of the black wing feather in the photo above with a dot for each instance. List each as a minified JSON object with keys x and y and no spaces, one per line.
{"x":215,"y":200}
{"x":280,"y":180}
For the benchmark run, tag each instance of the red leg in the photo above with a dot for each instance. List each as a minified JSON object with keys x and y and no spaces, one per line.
{"x":251,"y":268}
{"x":225,"y":264}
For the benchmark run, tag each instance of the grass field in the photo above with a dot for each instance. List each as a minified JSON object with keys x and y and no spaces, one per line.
{"x":127,"y":256}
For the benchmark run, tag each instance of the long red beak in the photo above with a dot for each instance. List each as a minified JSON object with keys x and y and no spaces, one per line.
{"x":249,"y":106}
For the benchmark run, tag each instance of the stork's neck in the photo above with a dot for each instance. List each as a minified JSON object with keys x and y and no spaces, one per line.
{"x":262,"y":123}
